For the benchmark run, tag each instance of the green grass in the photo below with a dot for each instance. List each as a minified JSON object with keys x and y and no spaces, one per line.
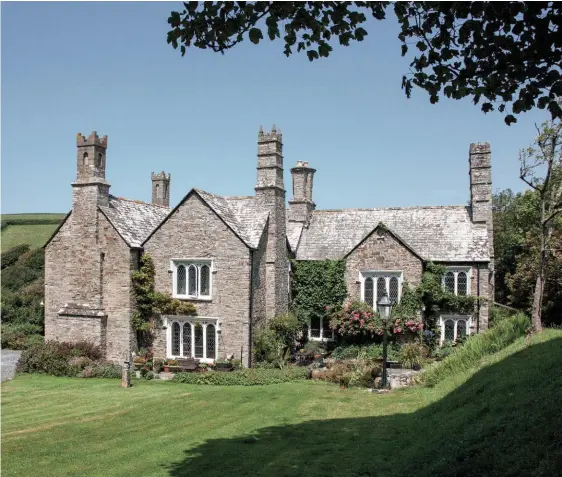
{"x":500,"y":417}
{"x":34,"y":235}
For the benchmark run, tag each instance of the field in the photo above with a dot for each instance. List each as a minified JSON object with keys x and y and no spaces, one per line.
{"x":31,"y":229}
{"x":499,"y":418}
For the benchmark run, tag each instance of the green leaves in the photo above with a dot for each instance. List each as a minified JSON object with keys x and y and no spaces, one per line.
{"x":255,"y":35}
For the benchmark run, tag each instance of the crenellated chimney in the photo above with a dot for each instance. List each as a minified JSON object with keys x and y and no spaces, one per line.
{"x":302,"y":205}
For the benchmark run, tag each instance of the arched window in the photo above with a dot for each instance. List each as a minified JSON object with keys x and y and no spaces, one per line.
{"x":192,"y":280}
{"x":381,"y":287}
{"x":157,"y":190}
{"x":211,"y":341}
{"x":187,"y":339}
{"x":461,"y":329}
{"x":175,"y":339}
{"x":85,"y":159}
{"x":181,"y":280}
{"x":369,"y":291}
{"x":100,"y":160}
{"x":449,"y":330}
{"x":198,"y":341}
{"x":461,"y":283}
{"x":205,"y":282}
{"x":393,"y":290}
{"x":450,"y":281}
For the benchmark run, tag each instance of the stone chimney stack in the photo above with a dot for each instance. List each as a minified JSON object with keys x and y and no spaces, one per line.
{"x":270,"y":194}
{"x":161,"y":189}
{"x":302,"y":205}
{"x":480,"y":166}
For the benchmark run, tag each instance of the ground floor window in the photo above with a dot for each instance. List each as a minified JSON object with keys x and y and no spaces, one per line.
{"x":454,"y":327}
{"x":319,"y":329}
{"x":192,"y":338}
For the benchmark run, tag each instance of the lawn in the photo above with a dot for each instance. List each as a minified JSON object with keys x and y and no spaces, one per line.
{"x":34,"y":235}
{"x":501,"y":418}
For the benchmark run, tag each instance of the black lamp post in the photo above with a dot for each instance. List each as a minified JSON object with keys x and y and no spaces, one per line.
{"x":384,"y":306}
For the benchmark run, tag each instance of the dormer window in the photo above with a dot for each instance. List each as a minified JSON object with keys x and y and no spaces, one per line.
{"x":192,"y":279}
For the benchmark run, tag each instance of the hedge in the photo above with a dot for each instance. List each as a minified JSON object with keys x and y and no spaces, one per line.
{"x":245,"y":377}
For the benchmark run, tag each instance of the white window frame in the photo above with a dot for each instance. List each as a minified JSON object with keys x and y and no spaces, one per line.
{"x":455,"y":318}
{"x":375,"y":275}
{"x":198,"y":263}
{"x":456,"y":271}
{"x":321,"y":337}
{"x":204,"y":321}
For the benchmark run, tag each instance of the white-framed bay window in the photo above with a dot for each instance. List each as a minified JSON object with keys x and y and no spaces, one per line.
{"x":195,"y":337}
{"x":457,"y":280}
{"x":454,"y":327}
{"x":375,"y":283}
{"x":192,"y":278}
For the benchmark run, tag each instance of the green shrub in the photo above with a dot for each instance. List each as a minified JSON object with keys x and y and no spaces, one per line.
{"x":476,"y":347}
{"x":444,"y":350}
{"x":371,"y":351}
{"x":102,"y":370}
{"x":11,"y":256}
{"x":354,"y":373}
{"x":411,"y":355}
{"x":245,"y":377}
{"x":20,"y":335}
{"x":274,"y":341}
{"x":149,"y":375}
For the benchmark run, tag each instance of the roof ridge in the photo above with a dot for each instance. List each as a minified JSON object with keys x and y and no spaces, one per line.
{"x":136,"y":201}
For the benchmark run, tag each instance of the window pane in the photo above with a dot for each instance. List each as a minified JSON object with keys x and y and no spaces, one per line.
{"x":450,"y":281}
{"x":211,"y":340}
{"x":175,"y":339}
{"x":187,"y":339}
{"x":449,"y":330}
{"x":205,"y":280}
{"x":326,"y":330}
{"x":369,"y":291}
{"x":461,"y":329}
{"x":393,"y":290}
{"x":461,"y":283}
{"x":381,"y":287}
{"x":315,"y":327}
{"x":192,"y":275}
{"x":181,"y":280}
{"x":198,"y":341}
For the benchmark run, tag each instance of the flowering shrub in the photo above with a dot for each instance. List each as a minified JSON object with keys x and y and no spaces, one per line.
{"x":355,"y":319}
{"x":402,"y":325}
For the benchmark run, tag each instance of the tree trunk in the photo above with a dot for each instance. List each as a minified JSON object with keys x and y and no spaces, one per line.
{"x":537,"y":300}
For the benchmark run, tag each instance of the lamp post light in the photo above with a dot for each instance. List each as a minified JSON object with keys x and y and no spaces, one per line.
{"x":384,"y":306}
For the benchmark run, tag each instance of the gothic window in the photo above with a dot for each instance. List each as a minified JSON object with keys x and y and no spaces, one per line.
{"x":181,"y":280}
{"x":211,"y":341}
{"x":175,"y":339}
{"x":376,"y":284}
{"x":369,"y":291}
{"x":187,"y":340}
{"x":199,"y":344}
{"x":158,"y":192}
{"x":457,"y":280}
{"x":85,"y":159}
{"x":192,"y":279}
{"x":454,"y":327}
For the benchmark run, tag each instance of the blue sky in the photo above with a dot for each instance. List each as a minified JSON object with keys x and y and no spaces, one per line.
{"x":77,"y":67}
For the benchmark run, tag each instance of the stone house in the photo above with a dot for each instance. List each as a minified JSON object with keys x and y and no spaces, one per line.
{"x":230,"y":255}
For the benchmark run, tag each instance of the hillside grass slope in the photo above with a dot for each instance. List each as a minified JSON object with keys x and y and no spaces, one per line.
{"x":500,"y":417}
{"x":30,"y":229}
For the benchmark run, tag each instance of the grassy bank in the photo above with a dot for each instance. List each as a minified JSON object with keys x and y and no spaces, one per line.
{"x":30,"y":229}
{"x":496,"y":418}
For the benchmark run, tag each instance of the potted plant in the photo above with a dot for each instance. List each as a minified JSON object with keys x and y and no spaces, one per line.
{"x":223,"y":365}
{"x":170,"y":365}
{"x":139,"y":362}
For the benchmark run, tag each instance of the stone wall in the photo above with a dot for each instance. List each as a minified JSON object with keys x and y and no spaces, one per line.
{"x":259,"y":282}
{"x":381,"y":251}
{"x":195,"y":231}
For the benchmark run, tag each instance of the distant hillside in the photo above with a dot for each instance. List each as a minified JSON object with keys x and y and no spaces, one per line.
{"x":31,"y":229}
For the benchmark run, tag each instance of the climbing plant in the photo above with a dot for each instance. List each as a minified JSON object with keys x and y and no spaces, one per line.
{"x":317,"y":285}
{"x":151,"y":304}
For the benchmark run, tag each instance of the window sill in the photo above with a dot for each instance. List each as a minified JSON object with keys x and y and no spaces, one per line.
{"x":320,"y":339}
{"x":189,"y":298}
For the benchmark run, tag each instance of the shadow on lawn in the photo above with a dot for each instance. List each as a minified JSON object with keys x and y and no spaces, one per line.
{"x":505,"y":420}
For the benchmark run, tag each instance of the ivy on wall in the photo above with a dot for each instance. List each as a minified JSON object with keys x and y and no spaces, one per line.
{"x":316,"y":285}
{"x":150,"y":304}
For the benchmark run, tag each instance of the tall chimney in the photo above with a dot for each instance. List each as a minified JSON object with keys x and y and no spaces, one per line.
{"x":161,"y":189}
{"x":302,"y":205}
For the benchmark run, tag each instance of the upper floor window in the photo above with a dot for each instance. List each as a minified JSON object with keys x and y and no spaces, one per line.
{"x":457,"y":280}
{"x":375,"y":284}
{"x":192,"y":279}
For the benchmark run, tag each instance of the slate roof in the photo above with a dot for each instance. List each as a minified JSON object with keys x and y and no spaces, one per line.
{"x":242,"y":214}
{"x":294,"y":230}
{"x":133,"y":219}
{"x":442,"y":233}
